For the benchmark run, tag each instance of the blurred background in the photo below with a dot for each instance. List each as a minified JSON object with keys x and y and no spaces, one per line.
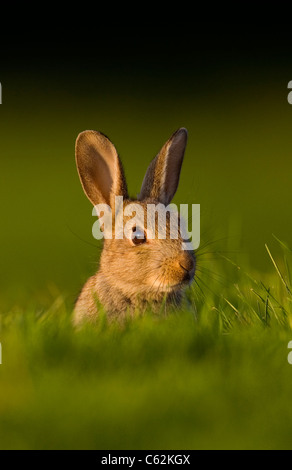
{"x":228,"y":88}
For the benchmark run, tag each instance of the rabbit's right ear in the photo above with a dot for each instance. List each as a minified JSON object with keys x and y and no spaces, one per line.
{"x":100,"y":168}
{"x":162,"y":177}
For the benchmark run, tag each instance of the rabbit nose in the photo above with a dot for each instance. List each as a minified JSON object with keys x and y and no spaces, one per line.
{"x":187,"y":263}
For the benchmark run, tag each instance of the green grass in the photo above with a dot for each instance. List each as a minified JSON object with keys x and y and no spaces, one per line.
{"x":212,"y":376}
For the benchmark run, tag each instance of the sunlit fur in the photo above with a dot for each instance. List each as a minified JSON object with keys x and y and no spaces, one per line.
{"x":134,"y":277}
{"x":131,"y":277}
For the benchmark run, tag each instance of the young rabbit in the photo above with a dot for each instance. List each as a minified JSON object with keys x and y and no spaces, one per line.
{"x":135,"y":271}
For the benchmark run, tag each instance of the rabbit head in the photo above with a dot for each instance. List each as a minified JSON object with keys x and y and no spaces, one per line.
{"x":140,"y":265}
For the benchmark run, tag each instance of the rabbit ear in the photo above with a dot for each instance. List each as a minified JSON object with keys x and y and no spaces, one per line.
{"x":99,"y":167}
{"x":162,"y":177}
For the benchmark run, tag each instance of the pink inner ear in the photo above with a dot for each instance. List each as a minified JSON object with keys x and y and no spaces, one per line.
{"x":162,"y":177}
{"x":173,"y":162}
{"x":99,"y":167}
{"x":102,"y":171}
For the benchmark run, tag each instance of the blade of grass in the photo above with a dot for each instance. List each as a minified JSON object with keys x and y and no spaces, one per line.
{"x":287,"y":270}
{"x":282,"y":244}
{"x":278,"y":270}
{"x":235,"y":310}
{"x":280,"y":306}
{"x":266,"y":304}
{"x":267,"y":316}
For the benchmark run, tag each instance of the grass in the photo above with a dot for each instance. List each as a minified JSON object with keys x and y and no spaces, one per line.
{"x":212,"y":376}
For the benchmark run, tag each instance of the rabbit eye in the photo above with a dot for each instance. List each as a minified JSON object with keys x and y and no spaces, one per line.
{"x":138,"y":236}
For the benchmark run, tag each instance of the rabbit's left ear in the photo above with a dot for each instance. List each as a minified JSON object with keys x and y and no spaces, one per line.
{"x":161,"y":180}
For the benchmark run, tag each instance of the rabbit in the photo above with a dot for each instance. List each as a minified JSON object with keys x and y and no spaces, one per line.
{"x":135,"y":272}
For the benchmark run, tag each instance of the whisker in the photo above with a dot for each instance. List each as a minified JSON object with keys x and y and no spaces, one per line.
{"x":208,"y":287}
{"x":80,"y":238}
{"x":212,"y":242}
{"x":199,"y":287}
{"x":217,"y":252}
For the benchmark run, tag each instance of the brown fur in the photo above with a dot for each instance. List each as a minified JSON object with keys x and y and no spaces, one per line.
{"x":131,"y":277}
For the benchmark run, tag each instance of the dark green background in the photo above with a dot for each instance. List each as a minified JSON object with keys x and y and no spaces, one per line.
{"x":229,"y":90}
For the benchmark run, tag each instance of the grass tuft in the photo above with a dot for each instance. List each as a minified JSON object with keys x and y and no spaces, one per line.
{"x":214,"y":375}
